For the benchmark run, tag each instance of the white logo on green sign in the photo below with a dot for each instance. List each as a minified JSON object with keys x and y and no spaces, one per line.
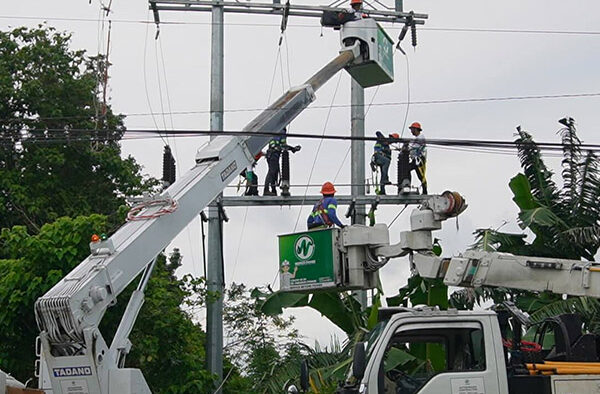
{"x":304,"y":247}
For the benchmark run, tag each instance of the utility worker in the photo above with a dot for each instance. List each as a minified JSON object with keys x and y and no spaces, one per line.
{"x":418,"y":154}
{"x":251,"y":177}
{"x":276,"y":146}
{"x":356,"y":7}
{"x":382,"y":156}
{"x":323,"y":214}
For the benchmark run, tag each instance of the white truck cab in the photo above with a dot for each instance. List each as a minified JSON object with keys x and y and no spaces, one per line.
{"x":432,"y":351}
{"x":428,"y":351}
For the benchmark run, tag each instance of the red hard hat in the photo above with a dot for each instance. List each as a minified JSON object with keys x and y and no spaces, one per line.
{"x":415,"y":125}
{"x":395,"y":135}
{"x":328,"y":188}
{"x":352,"y":2}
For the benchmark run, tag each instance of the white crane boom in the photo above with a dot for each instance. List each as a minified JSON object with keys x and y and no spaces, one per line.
{"x":74,"y":353}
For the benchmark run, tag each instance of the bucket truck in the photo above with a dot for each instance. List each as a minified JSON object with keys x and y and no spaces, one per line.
{"x":430,"y":351}
{"x":74,"y":357}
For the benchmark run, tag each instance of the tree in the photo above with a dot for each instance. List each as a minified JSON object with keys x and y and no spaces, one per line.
{"x":60,"y":159}
{"x":59,"y":151}
{"x":565,"y":221}
{"x":168,"y":345}
{"x":270,"y":351}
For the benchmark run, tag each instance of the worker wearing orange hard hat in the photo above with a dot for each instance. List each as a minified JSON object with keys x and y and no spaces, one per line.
{"x":357,"y":8}
{"x":323,"y":214}
{"x":418,"y":154}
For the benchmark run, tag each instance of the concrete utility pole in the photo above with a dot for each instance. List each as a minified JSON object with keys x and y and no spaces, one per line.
{"x":357,"y":160}
{"x":215,"y":275}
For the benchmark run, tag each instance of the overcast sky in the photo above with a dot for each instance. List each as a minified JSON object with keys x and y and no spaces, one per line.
{"x":445,"y":65}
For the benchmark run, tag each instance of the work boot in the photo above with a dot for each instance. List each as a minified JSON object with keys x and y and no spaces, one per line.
{"x":269,"y":193}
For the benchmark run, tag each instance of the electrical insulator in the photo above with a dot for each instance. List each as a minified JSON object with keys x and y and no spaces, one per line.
{"x":403,"y":171}
{"x":168,"y":166}
{"x":413,"y":34}
{"x":285,"y":172}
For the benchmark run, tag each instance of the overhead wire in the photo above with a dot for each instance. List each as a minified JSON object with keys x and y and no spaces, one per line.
{"x":336,"y":106}
{"x":407,"y":94}
{"x":312,"y":168}
{"x":174,"y":140}
{"x":145,"y":72}
{"x":501,"y":144}
{"x":350,"y":147}
{"x":299,"y":25}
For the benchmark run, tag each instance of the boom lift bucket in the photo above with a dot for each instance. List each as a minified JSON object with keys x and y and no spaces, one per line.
{"x":375,"y":66}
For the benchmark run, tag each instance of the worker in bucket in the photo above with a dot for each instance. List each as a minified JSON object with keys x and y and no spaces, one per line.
{"x":356,"y":7}
{"x":418,"y":154}
{"x":323,"y":214}
{"x":285,"y":276}
{"x":382,"y":156}
{"x":276,"y":146}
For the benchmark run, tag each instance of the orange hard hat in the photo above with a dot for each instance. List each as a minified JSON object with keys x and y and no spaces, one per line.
{"x":415,"y":125}
{"x":395,"y":135}
{"x":328,"y":188}
{"x":352,"y":2}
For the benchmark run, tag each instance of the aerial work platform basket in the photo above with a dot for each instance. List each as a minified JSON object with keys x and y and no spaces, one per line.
{"x":376,"y":66}
{"x":328,"y":258}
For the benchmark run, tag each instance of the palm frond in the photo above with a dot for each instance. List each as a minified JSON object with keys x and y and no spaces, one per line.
{"x":586,"y":307}
{"x":570,"y":163}
{"x":539,"y":176}
{"x":584,"y":235}
{"x":491,"y":240}
{"x":587,"y":205}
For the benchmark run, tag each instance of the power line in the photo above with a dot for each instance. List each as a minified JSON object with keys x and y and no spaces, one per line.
{"x":425,"y":28}
{"x":385,"y":104}
{"x":499,"y":144}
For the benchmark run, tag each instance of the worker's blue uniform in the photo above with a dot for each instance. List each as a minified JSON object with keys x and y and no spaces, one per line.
{"x":324,"y":214}
{"x":382,"y":156}
{"x":273,"y":154}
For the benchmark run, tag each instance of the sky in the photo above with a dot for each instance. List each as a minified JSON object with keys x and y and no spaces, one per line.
{"x":171,"y":76}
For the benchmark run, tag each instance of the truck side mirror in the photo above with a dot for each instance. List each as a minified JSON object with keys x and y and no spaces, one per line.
{"x":359,"y":363}
{"x":304,"y":376}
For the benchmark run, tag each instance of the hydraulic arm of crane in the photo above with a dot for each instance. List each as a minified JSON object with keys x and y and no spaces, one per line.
{"x":69,"y":314}
{"x":479,"y":268}
{"x":494,"y":269}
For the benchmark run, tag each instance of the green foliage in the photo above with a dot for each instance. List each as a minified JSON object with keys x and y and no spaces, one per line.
{"x":565,"y":223}
{"x":29,"y":266}
{"x":49,"y":166}
{"x":167,"y":345}
{"x":258,"y":343}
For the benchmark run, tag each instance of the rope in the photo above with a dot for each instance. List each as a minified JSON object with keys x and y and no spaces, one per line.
{"x":239,"y":247}
{"x":146,"y":82}
{"x":397,"y":216}
{"x":407,"y":95}
{"x":312,"y":168}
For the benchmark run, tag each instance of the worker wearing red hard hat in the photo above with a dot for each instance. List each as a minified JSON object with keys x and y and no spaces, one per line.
{"x":323,"y":214}
{"x":357,"y":8}
{"x":418,"y":154}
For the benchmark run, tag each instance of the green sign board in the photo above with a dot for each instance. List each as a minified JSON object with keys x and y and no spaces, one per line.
{"x":385,"y":51}
{"x":308,"y":260}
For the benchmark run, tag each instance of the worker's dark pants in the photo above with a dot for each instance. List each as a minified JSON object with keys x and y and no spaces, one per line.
{"x":252,"y":185}
{"x":420,"y":171}
{"x":384,"y":163}
{"x":272,"y":174}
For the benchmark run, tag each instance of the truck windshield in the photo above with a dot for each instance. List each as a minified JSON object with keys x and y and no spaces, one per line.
{"x":370,"y":343}
{"x":374,"y":336}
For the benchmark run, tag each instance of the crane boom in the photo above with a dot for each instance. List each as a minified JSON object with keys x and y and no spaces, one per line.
{"x":73,"y":351}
